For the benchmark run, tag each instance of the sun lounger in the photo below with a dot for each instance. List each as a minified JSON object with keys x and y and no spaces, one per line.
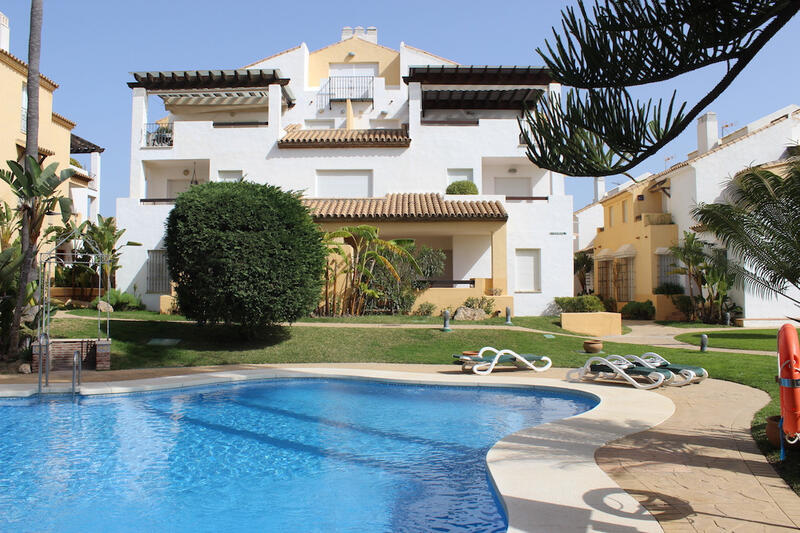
{"x":616,"y":366}
{"x":691,"y":374}
{"x":487,"y":358}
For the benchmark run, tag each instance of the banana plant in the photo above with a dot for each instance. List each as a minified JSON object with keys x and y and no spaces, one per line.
{"x":105,"y":236}
{"x":37,"y":190}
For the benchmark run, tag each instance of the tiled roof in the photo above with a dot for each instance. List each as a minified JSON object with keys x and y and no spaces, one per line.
{"x":22,"y":67}
{"x":299,"y":138}
{"x":407,"y":206}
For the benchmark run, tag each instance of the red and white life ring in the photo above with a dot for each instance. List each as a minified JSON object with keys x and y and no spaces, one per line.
{"x":789,"y":379}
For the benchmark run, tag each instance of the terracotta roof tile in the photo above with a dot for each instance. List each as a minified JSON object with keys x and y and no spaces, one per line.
{"x":299,"y":138}
{"x":406,"y":206}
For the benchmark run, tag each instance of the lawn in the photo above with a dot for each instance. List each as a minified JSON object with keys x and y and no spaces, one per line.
{"x":308,"y":344}
{"x":740,"y":339}
{"x":545,"y":323}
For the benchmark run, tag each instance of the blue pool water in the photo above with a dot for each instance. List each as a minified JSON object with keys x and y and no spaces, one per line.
{"x":278,"y":455}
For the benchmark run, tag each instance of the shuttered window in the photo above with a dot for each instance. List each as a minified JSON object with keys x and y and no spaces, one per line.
{"x":157,"y":272}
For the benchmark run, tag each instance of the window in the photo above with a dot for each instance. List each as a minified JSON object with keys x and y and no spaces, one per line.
{"x":353,"y":69}
{"x":344,"y":183}
{"x":603,"y":288}
{"x":230,"y":175}
{"x":24,"y":123}
{"x":157,"y":272}
{"x":624,"y":210}
{"x":665,"y":268}
{"x":528,"y":270}
{"x":623,"y":279}
{"x":610,"y":216}
{"x":459,"y":174}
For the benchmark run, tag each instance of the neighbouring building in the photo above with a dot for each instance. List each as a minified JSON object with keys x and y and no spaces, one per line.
{"x":641,"y":222}
{"x":585,"y":222}
{"x":371,"y":135}
{"x":56,"y":140}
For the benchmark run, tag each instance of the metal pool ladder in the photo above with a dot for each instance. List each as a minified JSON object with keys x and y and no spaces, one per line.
{"x":77,"y":365}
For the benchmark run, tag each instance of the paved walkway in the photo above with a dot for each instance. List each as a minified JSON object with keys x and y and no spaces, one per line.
{"x":646,"y":332}
{"x":698,"y":471}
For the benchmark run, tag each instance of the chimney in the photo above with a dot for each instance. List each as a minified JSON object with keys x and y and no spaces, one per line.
{"x":372,"y":34}
{"x":347,"y":32}
{"x":5,"y":33}
{"x":358,"y":31}
{"x":707,"y":132}
{"x":599,"y":188}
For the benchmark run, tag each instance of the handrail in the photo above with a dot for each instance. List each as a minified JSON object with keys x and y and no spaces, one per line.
{"x":448,"y":283}
{"x":156,"y":201}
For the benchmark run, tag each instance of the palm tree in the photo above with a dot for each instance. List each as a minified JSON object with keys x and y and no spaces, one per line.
{"x":582,"y":265}
{"x":37,"y":192}
{"x":34,"y":52}
{"x":690,"y":256}
{"x":760,"y":223}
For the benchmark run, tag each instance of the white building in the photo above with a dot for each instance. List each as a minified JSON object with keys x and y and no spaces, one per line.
{"x":359,"y":120}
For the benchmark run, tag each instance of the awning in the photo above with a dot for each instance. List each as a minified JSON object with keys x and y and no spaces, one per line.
{"x":663,"y":251}
{"x":484,"y":99}
{"x":604,"y":255}
{"x":626,"y":250}
{"x":296,"y":137}
{"x":79,"y":145}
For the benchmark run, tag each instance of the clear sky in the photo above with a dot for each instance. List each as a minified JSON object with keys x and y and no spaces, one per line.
{"x":89,"y":47}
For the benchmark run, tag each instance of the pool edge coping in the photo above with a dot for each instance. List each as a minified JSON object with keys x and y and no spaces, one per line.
{"x":561,"y":489}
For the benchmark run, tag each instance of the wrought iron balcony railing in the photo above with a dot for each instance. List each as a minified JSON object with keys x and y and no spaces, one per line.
{"x":158,"y":135}
{"x":342,"y":88}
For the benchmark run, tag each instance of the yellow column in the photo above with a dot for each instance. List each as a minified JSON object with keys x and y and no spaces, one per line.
{"x":349,"y":119}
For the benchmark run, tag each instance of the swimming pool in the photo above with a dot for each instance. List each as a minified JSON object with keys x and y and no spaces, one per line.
{"x":287,"y":454}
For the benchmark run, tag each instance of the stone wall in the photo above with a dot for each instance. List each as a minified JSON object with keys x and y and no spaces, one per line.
{"x":95,"y":354}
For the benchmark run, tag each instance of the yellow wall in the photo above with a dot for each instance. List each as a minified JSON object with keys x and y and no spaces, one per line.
{"x":365,"y":52}
{"x":596,"y":324}
{"x":644,"y":237}
{"x":54,"y":132}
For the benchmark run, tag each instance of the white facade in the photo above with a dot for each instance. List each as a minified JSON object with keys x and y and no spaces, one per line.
{"x":702,"y":178}
{"x":213,"y":142}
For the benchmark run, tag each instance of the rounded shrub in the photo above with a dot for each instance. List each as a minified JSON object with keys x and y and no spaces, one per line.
{"x":244,"y":253}
{"x":462,"y":187}
{"x":638,"y":310}
{"x":580,"y":304}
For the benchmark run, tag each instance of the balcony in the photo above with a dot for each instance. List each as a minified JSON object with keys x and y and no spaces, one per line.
{"x":343,"y":88}
{"x":655,"y":219}
{"x":158,"y":135}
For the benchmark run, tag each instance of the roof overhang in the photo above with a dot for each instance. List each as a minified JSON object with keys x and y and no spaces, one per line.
{"x":79,"y":145}
{"x":211,"y":83}
{"x":626,"y":250}
{"x":514,"y":99}
{"x":479,"y":75}
{"x":406,"y":207}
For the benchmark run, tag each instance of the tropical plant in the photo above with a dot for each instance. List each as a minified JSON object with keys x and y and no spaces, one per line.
{"x":358,"y":251}
{"x":105,"y":236}
{"x":120,"y":301}
{"x":10,"y":260}
{"x":484,"y":303}
{"x":669,"y":288}
{"x":690,"y":255}
{"x":398,"y":295}
{"x":36,"y":189}
{"x":582,"y":265}
{"x":600,"y":129}
{"x":9,"y":225}
{"x":462,"y":187}
{"x":758,"y":223}
{"x":244,"y":253}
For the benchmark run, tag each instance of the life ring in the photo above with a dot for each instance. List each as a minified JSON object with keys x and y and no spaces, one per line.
{"x":789,"y":379}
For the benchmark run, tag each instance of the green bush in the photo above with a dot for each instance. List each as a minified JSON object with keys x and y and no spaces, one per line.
{"x":669,"y":288}
{"x":425,"y":309}
{"x":483,"y":302}
{"x":639,"y":310}
{"x":399,"y":296}
{"x":244,"y":253}
{"x":684,"y":304}
{"x":462,"y":187}
{"x":120,"y":301}
{"x":580,"y":304}
{"x":610,"y":304}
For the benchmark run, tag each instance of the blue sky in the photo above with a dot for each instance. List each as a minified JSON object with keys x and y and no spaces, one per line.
{"x":91,"y":46}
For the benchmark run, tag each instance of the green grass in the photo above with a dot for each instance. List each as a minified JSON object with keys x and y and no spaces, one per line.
{"x":545,"y":323}
{"x":225,"y":345}
{"x":136,"y":315}
{"x":688,"y":325}
{"x":743,"y":339}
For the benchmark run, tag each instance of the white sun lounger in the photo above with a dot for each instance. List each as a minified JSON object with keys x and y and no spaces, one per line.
{"x":489,"y":357}
{"x":691,"y":374}
{"x":616,"y":366}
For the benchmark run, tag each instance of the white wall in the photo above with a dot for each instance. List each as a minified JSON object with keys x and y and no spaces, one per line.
{"x":472,"y":256}
{"x":586,"y":222}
